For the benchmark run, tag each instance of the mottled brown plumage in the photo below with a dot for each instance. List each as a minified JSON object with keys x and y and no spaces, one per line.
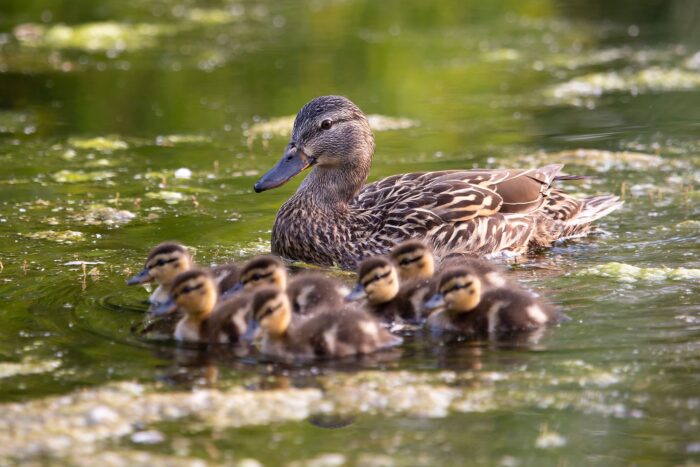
{"x":308,"y":292}
{"x":335,"y":219}
{"x":167,"y":260}
{"x":467,"y":307}
{"x":330,"y":333}
{"x":205,"y":319}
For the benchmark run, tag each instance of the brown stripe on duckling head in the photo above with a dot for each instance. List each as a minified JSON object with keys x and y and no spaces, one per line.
{"x":166,"y":248}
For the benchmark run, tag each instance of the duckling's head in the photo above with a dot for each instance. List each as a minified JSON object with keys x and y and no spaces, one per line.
{"x":459,"y":291}
{"x":414,"y":260}
{"x":377,"y":279}
{"x":163,"y":264}
{"x":271,"y":311}
{"x":264,"y":270}
{"x":330,"y":132}
{"x":193,"y":292}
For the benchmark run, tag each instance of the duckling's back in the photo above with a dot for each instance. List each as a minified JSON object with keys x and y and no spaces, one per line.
{"x":228,"y":321}
{"x":511,"y":310}
{"x":312,"y":292}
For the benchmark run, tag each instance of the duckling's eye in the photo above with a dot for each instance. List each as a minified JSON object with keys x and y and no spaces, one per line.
{"x":161,"y":262}
{"x":326,"y":124}
{"x":256,"y":277}
{"x":458,"y":287}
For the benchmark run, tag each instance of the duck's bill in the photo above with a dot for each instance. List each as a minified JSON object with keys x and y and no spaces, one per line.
{"x":356,"y":294}
{"x":232,"y":291}
{"x":164,"y":308}
{"x":140,"y":278}
{"x":436,"y":301}
{"x":292,"y":163}
{"x":251,"y":331}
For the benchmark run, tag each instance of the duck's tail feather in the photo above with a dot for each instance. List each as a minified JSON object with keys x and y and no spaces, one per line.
{"x":595,"y":207}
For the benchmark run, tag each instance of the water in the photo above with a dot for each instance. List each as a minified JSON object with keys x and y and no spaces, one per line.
{"x":489,"y":84}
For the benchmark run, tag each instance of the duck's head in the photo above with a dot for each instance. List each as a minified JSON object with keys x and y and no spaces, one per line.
{"x":270,"y":311}
{"x":260,"y":271}
{"x":414,"y":260}
{"x":459,"y":291}
{"x":329,"y":133}
{"x":377,"y":280}
{"x":163,"y":264}
{"x":194,"y":292}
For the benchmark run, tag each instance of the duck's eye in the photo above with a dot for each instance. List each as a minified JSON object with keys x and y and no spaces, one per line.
{"x":326,"y":124}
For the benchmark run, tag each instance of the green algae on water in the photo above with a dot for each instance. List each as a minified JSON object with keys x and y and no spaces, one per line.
{"x":58,"y":236}
{"x":80,"y":176}
{"x":628,"y":273}
{"x":100,"y":143}
{"x":27,"y":367}
{"x":92,"y":37}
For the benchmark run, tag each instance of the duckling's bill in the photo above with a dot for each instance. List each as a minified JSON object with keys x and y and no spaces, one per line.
{"x":141,"y":278}
{"x":435,"y":302}
{"x":357,"y":293}
{"x":164,"y":308}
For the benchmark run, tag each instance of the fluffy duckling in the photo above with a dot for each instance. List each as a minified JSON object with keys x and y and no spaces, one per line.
{"x":492,"y":276}
{"x":166,"y":261}
{"x":195,"y":293}
{"x":308,"y":291}
{"x":387,"y":298}
{"x":329,"y":333}
{"x":467,"y":307}
{"x":414,"y":260}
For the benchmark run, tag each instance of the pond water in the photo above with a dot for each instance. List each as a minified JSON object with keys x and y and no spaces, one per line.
{"x":104,"y":103}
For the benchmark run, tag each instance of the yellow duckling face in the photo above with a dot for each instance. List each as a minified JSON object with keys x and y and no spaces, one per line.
{"x":264,"y":270}
{"x":461,"y":290}
{"x":164,"y":263}
{"x":377,"y":280}
{"x":195,"y":293}
{"x":271,"y":311}
{"x":414,"y":260}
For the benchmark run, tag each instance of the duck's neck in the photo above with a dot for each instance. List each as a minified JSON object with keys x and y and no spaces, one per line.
{"x":338,"y":185}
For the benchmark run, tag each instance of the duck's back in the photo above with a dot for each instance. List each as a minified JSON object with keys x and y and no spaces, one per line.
{"x":345,"y":332}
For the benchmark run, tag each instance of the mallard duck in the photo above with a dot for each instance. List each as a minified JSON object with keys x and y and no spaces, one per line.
{"x":166,"y":261}
{"x":388,"y":298}
{"x":467,"y":307}
{"x":329,"y":333}
{"x":335,"y":219}
{"x":307,"y":291}
{"x":205,"y":319}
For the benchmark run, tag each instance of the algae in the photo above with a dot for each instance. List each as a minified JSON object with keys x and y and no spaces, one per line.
{"x":58,"y":236}
{"x":80,"y":176}
{"x":27,"y":367}
{"x":92,"y":37}
{"x":174,"y":140}
{"x":100,"y":143}
{"x":628,"y":273}
{"x":103,"y":215}
{"x":583,"y":90}
{"x":170,"y":197}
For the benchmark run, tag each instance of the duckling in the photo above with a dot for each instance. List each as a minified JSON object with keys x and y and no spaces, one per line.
{"x":329,"y":333}
{"x":166,"y":261}
{"x":492,"y":276}
{"x":388,"y":298}
{"x":307,"y":291}
{"x":414,"y":260}
{"x":467,"y":307}
{"x":195,"y":293}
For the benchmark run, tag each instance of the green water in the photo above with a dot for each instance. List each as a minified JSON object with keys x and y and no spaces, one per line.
{"x":486,"y":83}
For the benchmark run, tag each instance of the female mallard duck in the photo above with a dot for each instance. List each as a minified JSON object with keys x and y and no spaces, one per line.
{"x":329,"y":333}
{"x":307,"y":291}
{"x":335,"y":219}
{"x":388,"y":298}
{"x":468,"y":307}
{"x":166,"y":261}
{"x":195,"y":293}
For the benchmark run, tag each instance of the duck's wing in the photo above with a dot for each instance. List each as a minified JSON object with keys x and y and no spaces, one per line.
{"x":454,"y":193}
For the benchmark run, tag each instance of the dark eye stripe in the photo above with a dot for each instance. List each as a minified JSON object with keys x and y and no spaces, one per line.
{"x":260,"y":276}
{"x":405,"y":262}
{"x":187,"y":289}
{"x":376,"y":278}
{"x":268,"y":311}
{"x":458,"y":287}
{"x":163,"y":262}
